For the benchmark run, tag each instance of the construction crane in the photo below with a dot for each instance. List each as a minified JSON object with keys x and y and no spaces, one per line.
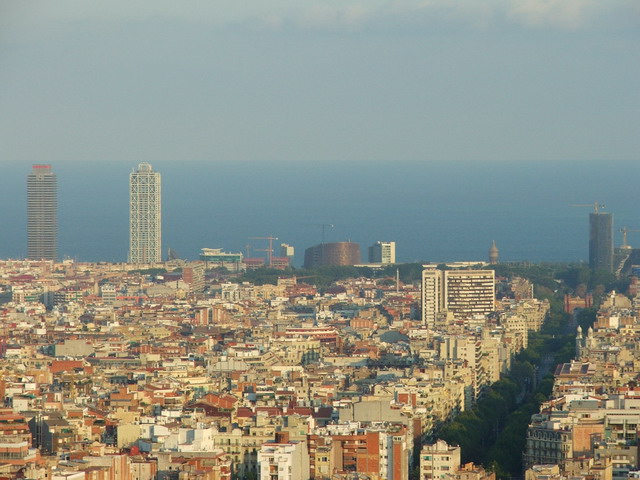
{"x":268,"y":250}
{"x":596,"y":206}
{"x":624,"y":231}
{"x":330,"y":225}
{"x":324,"y":226}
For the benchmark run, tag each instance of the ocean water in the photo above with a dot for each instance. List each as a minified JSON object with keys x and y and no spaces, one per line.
{"x":434,"y":211}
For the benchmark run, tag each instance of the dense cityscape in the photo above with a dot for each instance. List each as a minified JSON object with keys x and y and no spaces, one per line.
{"x":246,"y":367}
{"x":319,"y":240}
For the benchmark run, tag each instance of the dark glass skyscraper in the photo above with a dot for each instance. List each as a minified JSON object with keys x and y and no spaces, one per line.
{"x":42,"y":213}
{"x":601,"y":241}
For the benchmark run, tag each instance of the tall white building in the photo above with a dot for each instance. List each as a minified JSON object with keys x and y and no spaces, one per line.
{"x":464,"y":293}
{"x":432,"y":295}
{"x":145,"y":215}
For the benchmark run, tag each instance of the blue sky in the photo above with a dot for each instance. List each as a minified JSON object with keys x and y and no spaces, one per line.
{"x":284,"y":80}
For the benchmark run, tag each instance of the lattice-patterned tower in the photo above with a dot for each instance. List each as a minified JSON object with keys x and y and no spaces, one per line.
{"x":145,"y":216}
{"x":42,"y":213}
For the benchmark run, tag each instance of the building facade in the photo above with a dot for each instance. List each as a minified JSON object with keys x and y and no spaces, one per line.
{"x":288,"y":251}
{"x":216,"y":258}
{"x":145,"y":215}
{"x":332,"y":254}
{"x":439,"y":460}
{"x":382,"y":252}
{"x":601,"y":241}
{"x":194,"y":276}
{"x":42,"y":213}
{"x":283,"y":461}
{"x":548,"y":443}
{"x":464,"y":293}
{"x":432,"y":295}
{"x":469,"y":292}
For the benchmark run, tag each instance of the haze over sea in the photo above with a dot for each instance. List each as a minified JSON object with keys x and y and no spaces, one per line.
{"x":434,"y":211}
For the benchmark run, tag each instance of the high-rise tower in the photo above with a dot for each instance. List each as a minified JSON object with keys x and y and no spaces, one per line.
{"x":601,"y":241}
{"x":464,"y":293}
{"x":42,"y":213}
{"x":145,"y":215}
{"x":494,"y":253}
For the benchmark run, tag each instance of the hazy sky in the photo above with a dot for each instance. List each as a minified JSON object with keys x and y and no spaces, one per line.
{"x":319,"y":80}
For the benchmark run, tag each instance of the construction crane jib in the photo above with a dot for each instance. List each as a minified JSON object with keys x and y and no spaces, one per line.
{"x":596,"y":206}
{"x":624,"y":231}
{"x":269,"y":250}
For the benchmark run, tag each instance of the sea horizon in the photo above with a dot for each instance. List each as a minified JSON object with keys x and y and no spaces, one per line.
{"x":435,"y":212}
